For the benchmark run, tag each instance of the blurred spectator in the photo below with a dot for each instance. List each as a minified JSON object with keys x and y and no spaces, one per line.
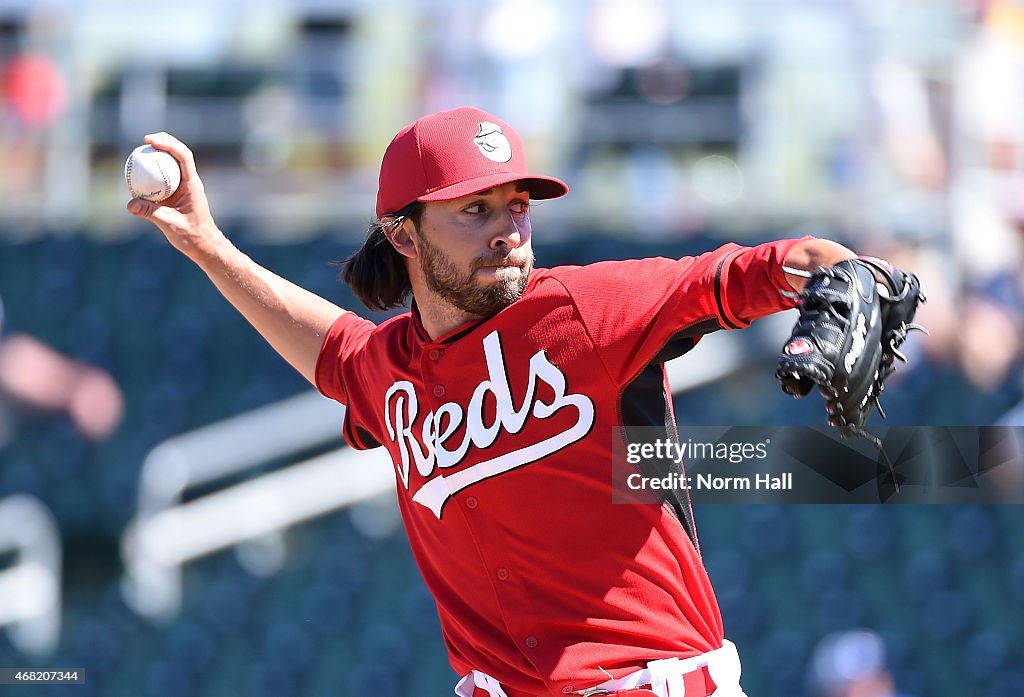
{"x":33,"y":89}
{"x":988,"y":190}
{"x":36,"y":376}
{"x":851,"y":664}
{"x":989,"y":342}
{"x":32,"y":98}
{"x":986,"y":201}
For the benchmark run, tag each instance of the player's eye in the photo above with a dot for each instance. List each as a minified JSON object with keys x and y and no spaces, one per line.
{"x":520,"y":208}
{"x":475,"y":209}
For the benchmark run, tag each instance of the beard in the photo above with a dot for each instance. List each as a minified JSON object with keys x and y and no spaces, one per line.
{"x":464,"y":292}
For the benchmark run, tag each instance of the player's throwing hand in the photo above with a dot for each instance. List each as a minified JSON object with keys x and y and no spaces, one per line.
{"x":184,"y":217}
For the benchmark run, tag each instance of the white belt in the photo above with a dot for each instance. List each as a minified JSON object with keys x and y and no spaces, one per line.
{"x":665,"y":676}
{"x":477,"y":679}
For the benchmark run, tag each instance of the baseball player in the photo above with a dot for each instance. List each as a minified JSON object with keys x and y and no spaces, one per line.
{"x":499,"y":396}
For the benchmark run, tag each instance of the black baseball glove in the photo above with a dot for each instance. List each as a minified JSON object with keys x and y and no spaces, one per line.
{"x":848,"y":338}
{"x":900,"y":295}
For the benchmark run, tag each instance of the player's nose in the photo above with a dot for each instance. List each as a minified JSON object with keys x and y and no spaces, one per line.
{"x":510,"y":234}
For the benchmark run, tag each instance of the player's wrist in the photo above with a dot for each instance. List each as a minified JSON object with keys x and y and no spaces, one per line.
{"x":213,"y":250}
{"x":810,"y":254}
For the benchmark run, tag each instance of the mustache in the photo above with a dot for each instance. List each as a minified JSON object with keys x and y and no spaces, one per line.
{"x":504,"y":260}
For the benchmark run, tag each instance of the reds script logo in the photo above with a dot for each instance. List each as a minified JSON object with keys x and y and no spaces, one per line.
{"x":431,"y":446}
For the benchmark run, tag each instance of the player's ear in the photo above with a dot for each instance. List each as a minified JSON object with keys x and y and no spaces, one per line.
{"x":403,"y":237}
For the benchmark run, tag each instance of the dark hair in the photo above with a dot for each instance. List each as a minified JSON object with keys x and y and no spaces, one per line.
{"x":377,"y":272}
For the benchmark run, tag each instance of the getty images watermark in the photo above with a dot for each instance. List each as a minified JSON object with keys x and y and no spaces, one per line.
{"x":665,"y":451}
{"x":814,"y":465}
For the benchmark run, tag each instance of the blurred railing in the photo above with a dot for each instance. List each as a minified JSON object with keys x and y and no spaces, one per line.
{"x":30,"y":589}
{"x":169,"y":532}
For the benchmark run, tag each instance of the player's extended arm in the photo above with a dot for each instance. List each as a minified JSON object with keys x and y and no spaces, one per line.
{"x":293,"y":320}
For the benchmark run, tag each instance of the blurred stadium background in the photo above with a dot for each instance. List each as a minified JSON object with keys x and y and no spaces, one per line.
{"x":163,"y":531}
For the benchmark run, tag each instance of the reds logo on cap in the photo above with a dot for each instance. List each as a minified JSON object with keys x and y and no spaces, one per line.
{"x":492,"y":142}
{"x":798,"y":347}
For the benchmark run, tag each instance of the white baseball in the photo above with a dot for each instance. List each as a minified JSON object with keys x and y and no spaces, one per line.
{"x":151,"y":174}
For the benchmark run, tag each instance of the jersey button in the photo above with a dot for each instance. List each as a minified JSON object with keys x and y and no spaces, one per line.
{"x":567,"y":690}
{"x":434,"y":354}
{"x":531,"y":642}
{"x":471,"y":502}
{"x":439,"y":390}
{"x":502,"y":574}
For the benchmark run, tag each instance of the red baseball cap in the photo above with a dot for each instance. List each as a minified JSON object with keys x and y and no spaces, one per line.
{"x":452,"y":154}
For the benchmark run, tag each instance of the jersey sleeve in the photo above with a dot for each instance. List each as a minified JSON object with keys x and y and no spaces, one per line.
{"x":633,"y":309}
{"x":339,"y":351}
{"x":339,"y":371}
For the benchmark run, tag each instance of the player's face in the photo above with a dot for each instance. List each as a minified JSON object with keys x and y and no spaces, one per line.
{"x":475,"y":251}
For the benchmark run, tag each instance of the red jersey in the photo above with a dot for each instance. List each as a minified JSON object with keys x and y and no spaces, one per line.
{"x":501,"y":435}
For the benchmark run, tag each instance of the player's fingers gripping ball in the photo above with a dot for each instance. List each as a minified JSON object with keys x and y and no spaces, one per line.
{"x":151,"y":174}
